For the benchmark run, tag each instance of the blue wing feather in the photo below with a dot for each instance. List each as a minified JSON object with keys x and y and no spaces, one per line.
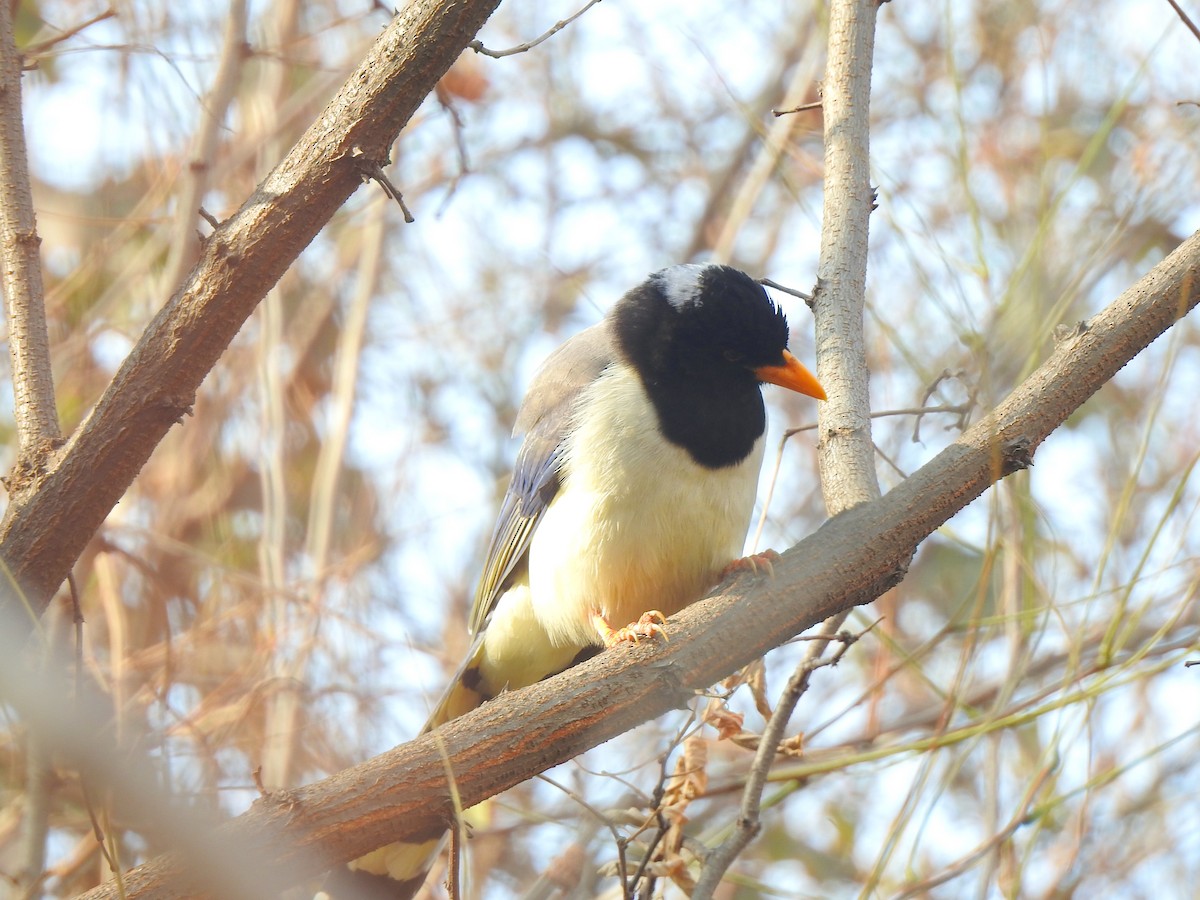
{"x":545,"y":417}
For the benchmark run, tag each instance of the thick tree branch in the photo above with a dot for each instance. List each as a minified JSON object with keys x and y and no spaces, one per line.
{"x":850,"y":560}
{"x":44,"y":532}
{"x":24,"y":296}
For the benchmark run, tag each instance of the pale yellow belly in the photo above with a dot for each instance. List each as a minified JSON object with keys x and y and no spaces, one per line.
{"x":636,"y":525}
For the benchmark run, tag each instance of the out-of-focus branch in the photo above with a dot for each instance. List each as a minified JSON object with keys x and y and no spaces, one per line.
{"x":73,"y":722}
{"x":766,"y":160}
{"x":850,"y":560}
{"x":185,"y":240}
{"x":326,"y":474}
{"x":28,"y":340}
{"x":44,"y":531}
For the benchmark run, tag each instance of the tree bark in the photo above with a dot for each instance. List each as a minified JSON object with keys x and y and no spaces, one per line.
{"x":846,"y":452}
{"x":24,"y":294}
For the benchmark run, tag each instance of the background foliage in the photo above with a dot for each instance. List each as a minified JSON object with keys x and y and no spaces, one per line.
{"x":286,"y":586}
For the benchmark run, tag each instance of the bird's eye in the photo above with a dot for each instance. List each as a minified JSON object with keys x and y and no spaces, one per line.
{"x":734,"y":356}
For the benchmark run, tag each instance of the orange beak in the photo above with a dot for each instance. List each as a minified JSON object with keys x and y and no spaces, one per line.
{"x":793,"y":376}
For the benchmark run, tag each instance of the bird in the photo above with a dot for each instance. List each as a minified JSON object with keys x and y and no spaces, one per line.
{"x":631,"y":495}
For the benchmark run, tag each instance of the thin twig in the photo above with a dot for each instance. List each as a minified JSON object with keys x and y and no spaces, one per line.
{"x":957,"y":409}
{"x":748,"y":820}
{"x":803,"y":107}
{"x":195,"y":175}
{"x":630,"y":887}
{"x":478,"y":47}
{"x":101,"y":838}
{"x":596,"y":814}
{"x":767,"y":282}
{"x":453,"y":888}
{"x":372,"y":171}
{"x":946,"y":375}
{"x":464,"y":164}
{"x":773,"y":147}
{"x":955,"y":869}
{"x":209,"y":218}
{"x":41,"y":47}
{"x":1186,"y":20}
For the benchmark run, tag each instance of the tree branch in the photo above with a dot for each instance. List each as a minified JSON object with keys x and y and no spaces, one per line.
{"x":748,"y":822}
{"x":850,"y":560}
{"x":24,"y":295}
{"x":43,"y":533}
{"x":846,"y":453}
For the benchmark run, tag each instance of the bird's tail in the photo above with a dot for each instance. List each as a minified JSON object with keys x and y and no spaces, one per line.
{"x":397,"y":871}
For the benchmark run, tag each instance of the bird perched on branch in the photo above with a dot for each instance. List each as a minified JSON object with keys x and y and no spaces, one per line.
{"x":631,"y":495}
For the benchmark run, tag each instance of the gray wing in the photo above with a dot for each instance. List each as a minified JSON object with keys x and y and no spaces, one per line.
{"x":545,"y":418}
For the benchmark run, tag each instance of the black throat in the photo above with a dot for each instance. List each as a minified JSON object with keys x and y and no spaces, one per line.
{"x":705,"y":405}
{"x":716,"y":420}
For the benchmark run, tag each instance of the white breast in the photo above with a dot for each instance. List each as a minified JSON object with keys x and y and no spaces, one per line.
{"x":636,"y":525}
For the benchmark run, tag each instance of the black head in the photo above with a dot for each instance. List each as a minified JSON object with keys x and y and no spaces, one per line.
{"x":699,"y":338}
{"x":697,"y":319}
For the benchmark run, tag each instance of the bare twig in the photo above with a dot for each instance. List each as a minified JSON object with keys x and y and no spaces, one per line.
{"x":955,"y":869}
{"x":185,"y":243}
{"x":42,"y":46}
{"x":1191,"y":26}
{"x":478,"y":47}
{"x":209,"y":218}
{"x":767,"y":282}
{"x":24,"y":295}
{"x":599,"y":817}
{"x":960,"y":410}
{"x":452,"y":870}
{"x":774,"y":144}
{"x":464,"y":165}
{"x":373,"y":171}
{"x":632,"y":887}
{"x":748,"y":822}
{"x":803,"y":107}
{"x":972,"y":392}
{"x":957,"y":409}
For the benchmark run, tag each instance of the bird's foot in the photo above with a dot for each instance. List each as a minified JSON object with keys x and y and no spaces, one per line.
{"x":753,"y":564}
{"x":648,"y":626}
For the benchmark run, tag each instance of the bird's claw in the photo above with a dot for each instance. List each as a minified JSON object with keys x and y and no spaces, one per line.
{"x":649,"y":625}
{"x":753,"y":564}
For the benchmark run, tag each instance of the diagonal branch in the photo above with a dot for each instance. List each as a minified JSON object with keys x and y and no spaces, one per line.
{"x":48,"y":525}
{"x":850,"y":560}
